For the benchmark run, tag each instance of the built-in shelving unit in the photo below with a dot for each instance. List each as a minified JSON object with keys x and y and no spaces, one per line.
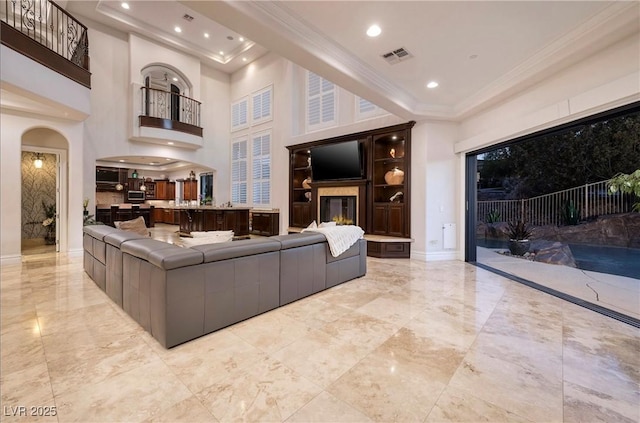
{"x":385,"y":189}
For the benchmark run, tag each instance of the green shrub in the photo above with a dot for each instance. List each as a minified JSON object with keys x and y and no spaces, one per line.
{"x":493,"y":216}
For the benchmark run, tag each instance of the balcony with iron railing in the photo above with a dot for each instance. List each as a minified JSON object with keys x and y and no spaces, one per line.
{"x":169,"y":110}
{"x":46,"y":33}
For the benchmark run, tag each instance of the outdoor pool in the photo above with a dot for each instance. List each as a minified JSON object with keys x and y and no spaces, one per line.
{"x":597,"y":258}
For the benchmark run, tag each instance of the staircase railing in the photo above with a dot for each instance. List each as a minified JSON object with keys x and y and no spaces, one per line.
{"x":591,"y":200}
{"x":50,"y":26}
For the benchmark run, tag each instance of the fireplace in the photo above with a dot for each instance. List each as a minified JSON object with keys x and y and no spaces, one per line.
{"x":340,"y":209}
{"x":339,"y":201}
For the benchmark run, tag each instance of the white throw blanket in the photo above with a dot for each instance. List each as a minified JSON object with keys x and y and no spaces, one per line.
{"x":340,"y":238}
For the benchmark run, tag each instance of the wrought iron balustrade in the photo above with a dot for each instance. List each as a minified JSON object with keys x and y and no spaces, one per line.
{"x":170,"y":107}
{"x":46,"y":33}
{"x":46,"y":23}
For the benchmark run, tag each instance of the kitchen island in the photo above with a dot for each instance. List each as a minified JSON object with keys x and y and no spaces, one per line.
{"x":110,"y":213}
{"x":211,"y":218}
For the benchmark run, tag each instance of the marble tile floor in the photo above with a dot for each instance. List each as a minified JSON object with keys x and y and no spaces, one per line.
{"x":410,"y":341}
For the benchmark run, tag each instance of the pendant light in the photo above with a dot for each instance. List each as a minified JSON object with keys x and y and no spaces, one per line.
{"x":39,"y":160}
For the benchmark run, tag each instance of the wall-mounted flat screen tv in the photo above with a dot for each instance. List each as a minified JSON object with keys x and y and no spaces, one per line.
{"x":342,"y":160}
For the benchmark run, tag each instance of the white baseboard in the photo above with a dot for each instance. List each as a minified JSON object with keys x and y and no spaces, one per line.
{"x":435,"y":256}
{"x":76,"y":252}
{"x":14,"y":259}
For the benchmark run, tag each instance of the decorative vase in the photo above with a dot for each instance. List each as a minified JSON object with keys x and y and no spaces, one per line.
{"x":394,"y":177}
{"x":306,"y":182}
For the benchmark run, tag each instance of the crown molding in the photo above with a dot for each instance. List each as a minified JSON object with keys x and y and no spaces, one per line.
{"x":612,"y":24}
{"x":299,"y":41}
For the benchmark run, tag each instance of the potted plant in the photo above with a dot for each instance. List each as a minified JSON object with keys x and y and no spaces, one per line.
{"x":49,"y":223}
{"x":519,"y":235}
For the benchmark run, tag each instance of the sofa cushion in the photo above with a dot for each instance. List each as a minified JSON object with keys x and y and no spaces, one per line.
{"x":299,"y":239}
{"x":136,"y":225}
{"x":98,"y":231}
{"x":143,"y":247}
{"x":175,"y":257}
{"x":228,"y":250}
{"x":117,"y":238}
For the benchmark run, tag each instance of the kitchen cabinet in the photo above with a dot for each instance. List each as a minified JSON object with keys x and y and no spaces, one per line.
{"x":190,"y":190}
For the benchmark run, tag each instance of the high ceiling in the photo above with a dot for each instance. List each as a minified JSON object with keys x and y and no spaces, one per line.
{"x":478,"y":51}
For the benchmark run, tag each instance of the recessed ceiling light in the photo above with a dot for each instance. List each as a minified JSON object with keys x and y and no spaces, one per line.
{"x":230,"y":37}
{"x":170,"y":143}
{"x":168,"y":159}
{"x":177,"y":29}
{"x":221,"y":52}
{"x":374,"y":31}
{"x":473,"y":56}
{"x":206,"y":35}
{"x":125,"y":5}
{"x":244,"y":59}
{"x":121,"y":161}
{"x":241,"y":39}
{"x":432,"y":84}
{"x":175,"y":79}
{"x":394,"y":137}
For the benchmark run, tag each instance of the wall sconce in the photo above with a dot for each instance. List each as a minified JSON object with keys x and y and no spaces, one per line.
{"x":38,"y":161}
{"x":143,"y":187}
{"x":119,"y":187}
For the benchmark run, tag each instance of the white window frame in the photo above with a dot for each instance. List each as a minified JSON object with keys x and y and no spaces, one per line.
{"x":360,"y":115}
{"x":260,"y":96}
{"x":236,"y":167}
{"x":309,"y":97}
{"x":244,"y":101}
{"x":261,"y":176}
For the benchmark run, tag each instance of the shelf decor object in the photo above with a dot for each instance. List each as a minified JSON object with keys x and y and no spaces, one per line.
{"x":394,"y":177}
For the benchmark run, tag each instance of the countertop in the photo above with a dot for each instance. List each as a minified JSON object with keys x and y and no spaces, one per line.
{"x":122,"y":206}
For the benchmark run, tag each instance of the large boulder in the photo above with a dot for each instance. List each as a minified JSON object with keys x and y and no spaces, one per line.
{"x":621,"y":230}
{"x":553,"y":253}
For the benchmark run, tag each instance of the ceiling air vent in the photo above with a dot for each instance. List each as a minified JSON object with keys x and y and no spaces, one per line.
{"x":187,"y":18}
{"x":397,"y":56}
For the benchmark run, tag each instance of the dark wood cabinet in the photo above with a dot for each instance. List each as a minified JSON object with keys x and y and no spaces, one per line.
{"x":165,"y":190}
{"x":386,"y":162}
{"x":127,"y":212}
{"x":300,"y":216}
{"x":108,"y":178}
{"x":266,"y":224}
{"x":390,"y":176}
{"x":190,"y":190}
{"x":159,"y":215}
{"x":150,"y":190}
{"x":300,"y":190}
{"x":215,"y":220}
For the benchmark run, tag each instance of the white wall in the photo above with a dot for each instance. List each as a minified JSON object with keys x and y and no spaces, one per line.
{"x":13,"y":128}
{"x":434,"y":189}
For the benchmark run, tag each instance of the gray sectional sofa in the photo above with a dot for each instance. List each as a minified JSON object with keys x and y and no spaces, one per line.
{"x":178,"y":294}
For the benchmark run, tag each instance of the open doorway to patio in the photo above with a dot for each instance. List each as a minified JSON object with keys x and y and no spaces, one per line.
{"x":584,"y":241}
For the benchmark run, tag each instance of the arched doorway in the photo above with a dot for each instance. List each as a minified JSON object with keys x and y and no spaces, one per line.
{"x":44,"y":191}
